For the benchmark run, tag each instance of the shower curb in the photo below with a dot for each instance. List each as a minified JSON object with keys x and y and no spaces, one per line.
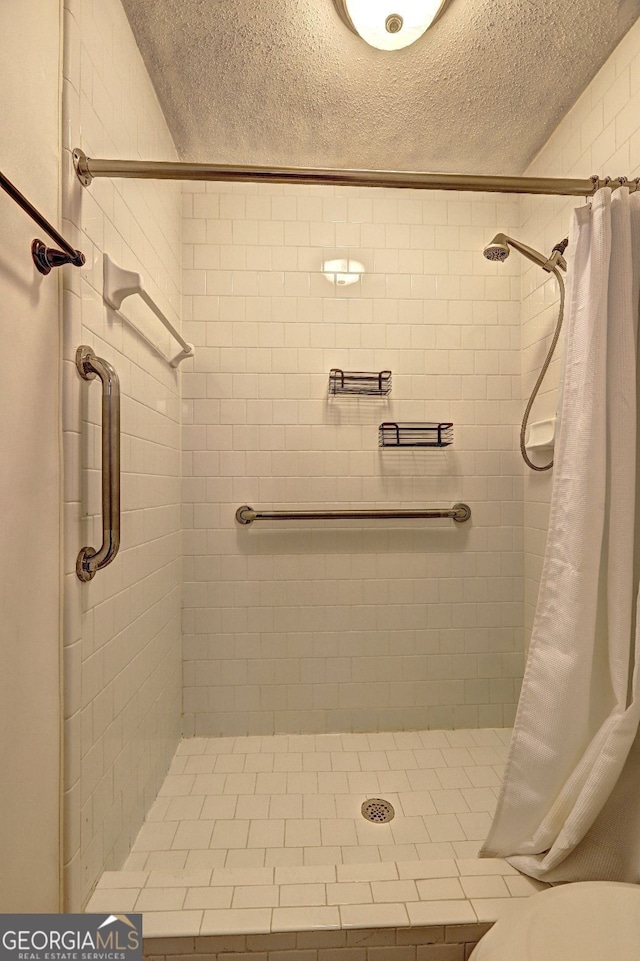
{"x":433,"y":910}
{"x":453,"y":942}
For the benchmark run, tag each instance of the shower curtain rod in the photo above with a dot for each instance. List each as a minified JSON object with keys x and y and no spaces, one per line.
{"x":89,"y":167}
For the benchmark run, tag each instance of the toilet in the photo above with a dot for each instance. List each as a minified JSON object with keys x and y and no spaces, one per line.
{"x":581,"y":921}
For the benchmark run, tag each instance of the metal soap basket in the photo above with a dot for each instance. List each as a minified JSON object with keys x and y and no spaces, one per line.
{"x":359,"y":382}
{"x":393,"y":434}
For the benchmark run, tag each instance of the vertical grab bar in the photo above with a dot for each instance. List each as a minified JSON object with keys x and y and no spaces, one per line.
{"x":89,"y":367}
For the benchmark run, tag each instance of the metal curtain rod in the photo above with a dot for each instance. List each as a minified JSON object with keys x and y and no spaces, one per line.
{"x":88,"y":167}
{"x":459,"y":512}
{"x":44,"y":257}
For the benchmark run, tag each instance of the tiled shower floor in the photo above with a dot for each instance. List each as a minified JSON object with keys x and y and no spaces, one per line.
{"x":265,"y":833}
{"x":291,"y":800}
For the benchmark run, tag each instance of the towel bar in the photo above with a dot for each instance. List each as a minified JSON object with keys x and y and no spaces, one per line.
{"x":120,"y":283}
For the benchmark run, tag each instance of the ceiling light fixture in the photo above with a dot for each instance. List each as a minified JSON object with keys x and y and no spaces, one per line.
{"x":389,"y":24}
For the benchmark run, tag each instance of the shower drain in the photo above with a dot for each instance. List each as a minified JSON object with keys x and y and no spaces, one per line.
{"x":377,"y":810}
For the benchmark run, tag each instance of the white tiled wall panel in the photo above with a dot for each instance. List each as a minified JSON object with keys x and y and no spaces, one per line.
{"x":122,"y":630}
{"x":353,"y":626}
{"x":600,"y":135}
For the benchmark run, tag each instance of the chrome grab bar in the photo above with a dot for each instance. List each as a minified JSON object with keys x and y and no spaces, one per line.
{"x":89,"y":367}
{"x":246,"y":514}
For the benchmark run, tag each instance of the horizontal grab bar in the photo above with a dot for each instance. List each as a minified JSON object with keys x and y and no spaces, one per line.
{"x":459,"y":513}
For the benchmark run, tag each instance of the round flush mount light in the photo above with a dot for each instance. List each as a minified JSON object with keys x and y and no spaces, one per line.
{"x":389,"y":24}
{"x":342,"y":272}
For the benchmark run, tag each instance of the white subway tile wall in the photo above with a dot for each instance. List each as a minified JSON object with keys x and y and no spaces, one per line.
{"x":122,"y":630}
{"x":599,"y":135}
{"x":314,"y":627}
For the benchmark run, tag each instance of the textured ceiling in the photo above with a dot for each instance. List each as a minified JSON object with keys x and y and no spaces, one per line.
{"x":286,"y":82}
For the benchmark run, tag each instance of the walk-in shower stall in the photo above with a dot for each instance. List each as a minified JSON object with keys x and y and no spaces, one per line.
{"x":304,"y":520}
{"x":326,"y":475}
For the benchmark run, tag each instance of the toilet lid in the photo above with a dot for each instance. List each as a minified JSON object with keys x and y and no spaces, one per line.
{"x":583,"y":921}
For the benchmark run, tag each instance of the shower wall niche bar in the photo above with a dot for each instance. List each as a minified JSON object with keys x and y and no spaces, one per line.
{"x":459,"y":512}
{"x":89,"y":167}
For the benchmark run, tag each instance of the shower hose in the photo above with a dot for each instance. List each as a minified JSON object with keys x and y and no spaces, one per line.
{"x":541,"y":376}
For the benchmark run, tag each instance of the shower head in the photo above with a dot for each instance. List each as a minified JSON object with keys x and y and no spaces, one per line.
{"x":499,"y":249}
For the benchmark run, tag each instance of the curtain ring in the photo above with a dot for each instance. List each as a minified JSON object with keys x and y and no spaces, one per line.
{"x":595,"y":180}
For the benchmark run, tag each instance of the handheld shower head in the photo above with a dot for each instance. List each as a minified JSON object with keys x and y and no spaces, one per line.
{"x":499,"y":249}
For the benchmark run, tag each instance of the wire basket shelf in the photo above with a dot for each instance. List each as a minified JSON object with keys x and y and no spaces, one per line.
{"x":392,"y":434}
{"x":360,"y":382}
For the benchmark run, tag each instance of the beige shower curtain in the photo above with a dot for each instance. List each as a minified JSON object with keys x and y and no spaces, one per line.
{"x":570,"y":803}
